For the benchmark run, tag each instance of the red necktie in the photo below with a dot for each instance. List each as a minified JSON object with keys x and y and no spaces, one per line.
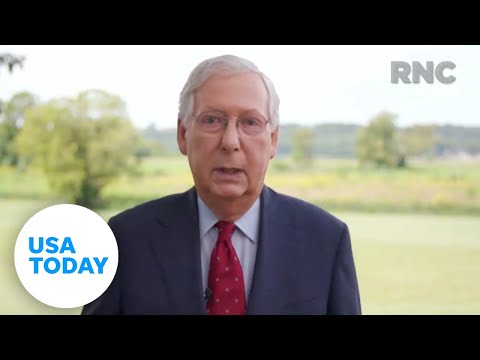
{"x":225,"y":277}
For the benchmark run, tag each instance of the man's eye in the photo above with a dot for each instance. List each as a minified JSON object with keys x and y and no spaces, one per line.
{"x":250,"y":122}
{"x":211,"y":120}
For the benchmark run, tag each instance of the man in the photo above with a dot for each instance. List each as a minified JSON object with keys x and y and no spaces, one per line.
{"x":230,"y":245}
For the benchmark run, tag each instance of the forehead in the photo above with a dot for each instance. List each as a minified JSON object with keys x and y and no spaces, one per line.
{"x":233,"y":93}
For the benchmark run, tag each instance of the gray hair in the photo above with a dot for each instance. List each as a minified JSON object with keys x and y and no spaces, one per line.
{"x":225,"y":64}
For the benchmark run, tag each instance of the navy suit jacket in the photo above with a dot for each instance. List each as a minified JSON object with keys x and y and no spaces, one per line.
{"x":304,"y":262}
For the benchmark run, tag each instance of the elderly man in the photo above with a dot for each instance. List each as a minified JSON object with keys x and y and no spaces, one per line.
{"x":230,"y":245}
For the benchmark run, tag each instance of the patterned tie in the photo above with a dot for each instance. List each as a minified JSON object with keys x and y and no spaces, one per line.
{"x":225,"y":278}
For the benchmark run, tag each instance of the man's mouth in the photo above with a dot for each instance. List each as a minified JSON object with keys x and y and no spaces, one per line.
{"x":228,"y":170}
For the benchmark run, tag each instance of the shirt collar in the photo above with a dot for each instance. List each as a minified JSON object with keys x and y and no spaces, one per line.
{"x":248,"y":223}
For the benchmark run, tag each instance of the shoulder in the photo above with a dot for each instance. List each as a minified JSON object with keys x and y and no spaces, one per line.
{"x":145,"y":213}
{"x":302,"y":212}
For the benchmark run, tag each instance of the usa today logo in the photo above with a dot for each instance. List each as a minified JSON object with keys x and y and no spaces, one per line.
{"x":66,"y":256}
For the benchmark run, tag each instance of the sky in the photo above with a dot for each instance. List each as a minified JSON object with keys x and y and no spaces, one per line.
{"x":316,"y":84}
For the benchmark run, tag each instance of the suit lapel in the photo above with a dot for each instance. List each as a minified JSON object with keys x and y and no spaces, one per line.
{"x":177,"y":249}
{"x":275,"y":281}
{"x":276,"y":251}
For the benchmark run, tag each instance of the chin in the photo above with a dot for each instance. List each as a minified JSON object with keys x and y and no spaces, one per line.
{"x":229,"y":191}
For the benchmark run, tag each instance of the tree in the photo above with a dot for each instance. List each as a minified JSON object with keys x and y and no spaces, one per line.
{"x":12,"y":117}
{"x":11,"y":61}
{"x":416,"y":140}
{"x":378,"y":143}
{"x":302,"y":145}
{"x":81,"y":144}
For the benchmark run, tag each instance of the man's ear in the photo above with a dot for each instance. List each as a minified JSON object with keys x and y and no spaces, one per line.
{"x":181,"y":139}
{"x":273,"y":148}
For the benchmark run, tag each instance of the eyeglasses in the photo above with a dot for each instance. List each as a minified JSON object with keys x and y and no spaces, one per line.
{"x":214,"y":122}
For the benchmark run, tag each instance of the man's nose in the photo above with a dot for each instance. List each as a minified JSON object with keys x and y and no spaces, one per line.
{"x":231,"y":137}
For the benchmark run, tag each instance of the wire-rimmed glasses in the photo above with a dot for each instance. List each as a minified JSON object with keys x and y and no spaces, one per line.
{"x":215,"y":122}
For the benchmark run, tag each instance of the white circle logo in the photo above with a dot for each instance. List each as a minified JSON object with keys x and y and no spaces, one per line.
{"x":66,"y":256}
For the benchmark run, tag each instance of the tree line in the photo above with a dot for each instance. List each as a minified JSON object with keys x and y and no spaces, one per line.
{"x":336,"y":140}
{"x":85,"y":142}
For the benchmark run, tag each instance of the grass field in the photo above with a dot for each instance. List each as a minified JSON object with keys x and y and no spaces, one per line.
{"x":415,"y":231}
{"x":417,"y":263}
{"x":427,"y":187}
{"x":407,"y":263}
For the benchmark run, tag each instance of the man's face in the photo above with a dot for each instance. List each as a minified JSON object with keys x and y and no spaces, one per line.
{"x":229,"y":164}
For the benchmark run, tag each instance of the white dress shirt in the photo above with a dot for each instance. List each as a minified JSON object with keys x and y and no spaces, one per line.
{"x":244,"y":240}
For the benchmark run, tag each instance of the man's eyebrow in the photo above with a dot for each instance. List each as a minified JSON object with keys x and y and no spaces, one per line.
{"x":245,"y":112}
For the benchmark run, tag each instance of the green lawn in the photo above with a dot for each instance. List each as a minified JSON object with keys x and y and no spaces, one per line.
{"x":417,"y":264}
{"x":407,"y":263}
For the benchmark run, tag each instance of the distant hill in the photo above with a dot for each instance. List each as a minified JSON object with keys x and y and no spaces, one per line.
{"x":338,"y":140}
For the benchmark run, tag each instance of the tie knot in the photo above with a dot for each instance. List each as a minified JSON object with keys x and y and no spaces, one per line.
{"x":225,"y":229}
